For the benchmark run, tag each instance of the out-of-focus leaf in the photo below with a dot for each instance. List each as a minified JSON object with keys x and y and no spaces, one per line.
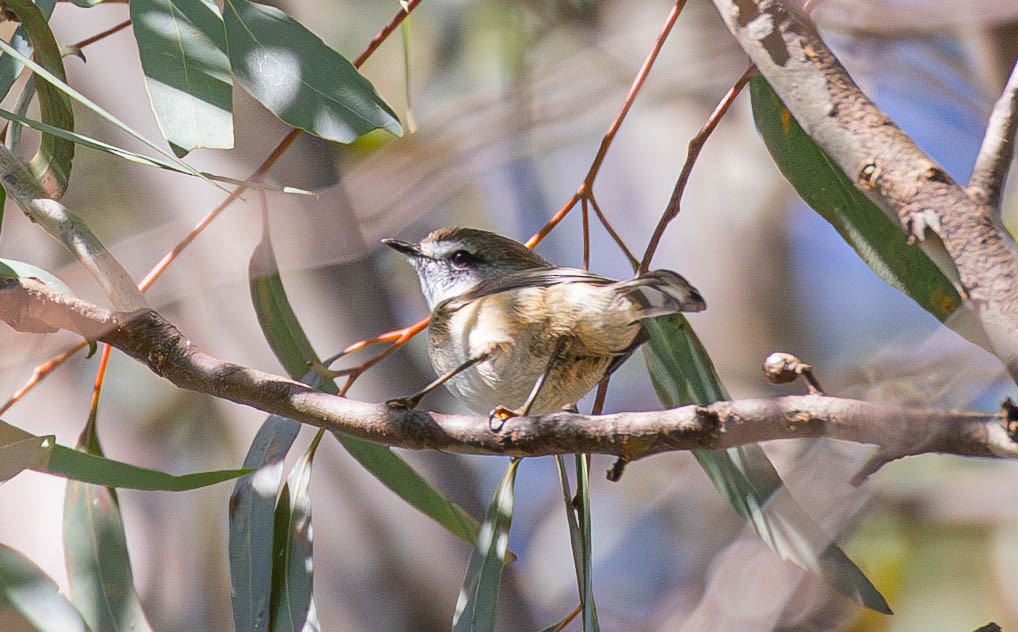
{"x":578,"y":521}
{"x":95,"y":552}
{"x":292,"y":577}
{"x":61,"y":85}
{"x":877,"y":239}
{"x":182,"y":44}
{"x":475,"y":606}
{"x":89,"y":468}
{"x":394,"y":473}
{"x":287,"y":339}
{"x":52,"y":162}
{"x":135,"y":157}
{"x":744,"y":475}
{"x":252,"y":519}
{"x":298,"y":78}
{"x":34,"y":595}
{"x":12,"y":269}
{"x":102,"y":471}
{"x":10,"y":68}
{"x":279,"y":324}
{"x":20,"y":454}
{"x":86,"y":4}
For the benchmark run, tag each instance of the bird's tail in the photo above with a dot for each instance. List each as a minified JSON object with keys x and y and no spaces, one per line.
{"x":661,"y":293}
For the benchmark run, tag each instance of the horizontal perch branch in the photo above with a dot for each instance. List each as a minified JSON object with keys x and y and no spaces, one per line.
{"x":29,"y":305}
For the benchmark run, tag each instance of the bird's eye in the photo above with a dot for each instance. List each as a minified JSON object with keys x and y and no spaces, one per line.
{"x":462,"y":259}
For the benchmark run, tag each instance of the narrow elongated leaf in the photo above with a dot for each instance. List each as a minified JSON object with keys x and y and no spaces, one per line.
{"x":61,"y":85}
{"x":822,"y":184}
{"x":744,"y":475}
{"x":252,"y":520}
{"x":95,"y":552}
{"x":578,"y":521}
{"x":288,"y":341}
{"x":292,"y":577}
{"x":394,"y":473}
{"x":52,"y":162}
{"x":290,"y":71}
{"x":182,"y":44}
{"x":34,"y":595}
{"x":590,"y":622}
{"x":135,"y":157}
{"x":475,"y":606}
{"x":103,"y":471}
{"x":89,"y":468}
{"x":10,"y":67}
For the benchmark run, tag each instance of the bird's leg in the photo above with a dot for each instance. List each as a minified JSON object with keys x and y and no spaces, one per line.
{"x":413,"y":400}
{"x":503,"y":414}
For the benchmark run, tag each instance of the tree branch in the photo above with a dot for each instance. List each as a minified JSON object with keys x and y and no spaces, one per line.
{"x":29,"y":305}
{"x":990,"y":171}
{"x":881,"y":159}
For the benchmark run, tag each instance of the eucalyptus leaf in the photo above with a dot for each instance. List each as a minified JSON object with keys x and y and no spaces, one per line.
{"x":292,"y":576}
{"x":10,"y":67}
{"x":744,"y":475}
{"x":822,"y":184}
{"x":475,"y":606}
{"x":67,"y":463}
{"x":294,"y":74}
{"x":35,"y":596}
{"x":182,"y":44}
{"x":52,"y":162}
{"x":95,"y":551}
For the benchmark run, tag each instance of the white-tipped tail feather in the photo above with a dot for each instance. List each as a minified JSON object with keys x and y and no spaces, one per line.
{"x":662,"y":293}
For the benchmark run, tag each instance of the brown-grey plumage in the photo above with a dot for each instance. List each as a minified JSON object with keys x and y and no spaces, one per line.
{"x":496,"y":301}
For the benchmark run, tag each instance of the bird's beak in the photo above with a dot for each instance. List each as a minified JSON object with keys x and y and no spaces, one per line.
{"x":403,"y":247}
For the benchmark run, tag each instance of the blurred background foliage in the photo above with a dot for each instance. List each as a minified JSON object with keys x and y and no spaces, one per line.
{"x":510,"y":101}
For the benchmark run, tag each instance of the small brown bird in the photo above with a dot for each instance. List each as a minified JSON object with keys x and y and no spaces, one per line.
{"x":511,"y":334}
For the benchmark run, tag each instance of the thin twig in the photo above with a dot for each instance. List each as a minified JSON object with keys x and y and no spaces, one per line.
{"x":43,"y":370}
{"x":88,"y":41}
{"x":586,"y":187}
{"x":692,"y":153}
{"x":990,"y":171}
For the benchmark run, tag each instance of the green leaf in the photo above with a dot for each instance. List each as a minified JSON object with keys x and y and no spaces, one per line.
{"x":475,"y":606}
{"x":744,"y":475}
{"x":578,"y":521}
{"x":292,"y":576}
{"x":95,"y":551}
{"x":279,"y":324}
{"x":822,"y":184}
{"x":141,"y":159}
{"x":290,"y":71}
{"x":102,"y":471}
{"x":182,"y":44}
{"x":24,"y":587}
{"x":18,"y":455}
{"x":52,"y":162}
{"x":68,"y":463}
{"x":10,"y":67}
{"x":13,"y":269}
{"x":252,"y":523}
{"x":60,"y":85}
{"x":394,"y":473}
{"x":287,"y":339}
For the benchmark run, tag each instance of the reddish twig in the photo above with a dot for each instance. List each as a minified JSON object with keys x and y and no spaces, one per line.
{"x":88,"y":41}
{"x":48,"y":367}
{"x":692,"y":153}
{"x":585,"y":191}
